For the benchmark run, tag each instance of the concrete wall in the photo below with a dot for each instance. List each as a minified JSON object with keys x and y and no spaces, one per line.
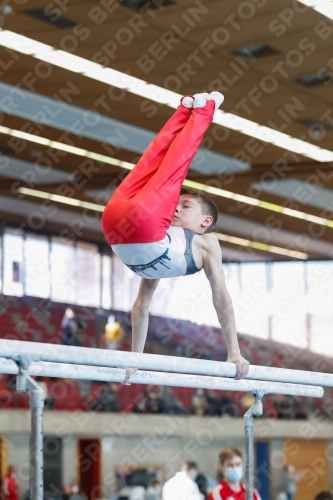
{"x":154,"y":440}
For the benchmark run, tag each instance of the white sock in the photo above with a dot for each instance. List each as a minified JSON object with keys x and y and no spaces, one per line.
{"x":187,"y":101}
{"x":217,"y":97}
{"x":200,"y":100}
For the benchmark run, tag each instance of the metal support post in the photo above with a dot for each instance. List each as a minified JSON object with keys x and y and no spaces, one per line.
{"x":256,"y":409}
{"x":24,"y":384}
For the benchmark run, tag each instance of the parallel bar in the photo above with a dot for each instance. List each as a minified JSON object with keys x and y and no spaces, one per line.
{"x":64,"y":370}
{"x":103,"y":357}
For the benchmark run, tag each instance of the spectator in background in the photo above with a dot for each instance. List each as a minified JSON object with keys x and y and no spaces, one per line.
{"x":75,"y":488}
{"x":300,"y":409}
{"x":71,"y":329}
{"x":227,"y":406}
{"x":324,"y":495}
{"x":290,"y":480}
{"x":201,"y":481}
{"x":169,"y":400}
{"x":9,"y":484}
{"x":154,"y":491}
{"x":140,"y":403}
{"x":66,"y":493}
{"x":155,"y":402}
{"x":66,"y":326}
{"x":246,"y":402}
{"x":11,"y":386}
{"x":213,"y":405}
{"x":113,"y":333}
{"x":48,"y":400}
{"x":171,"y":403}
{"x":183,"y":486}
{"x":231,"y":466}
{"x":199,"y":403}
{"x":106,"y":399}
{"x":284,"y":406}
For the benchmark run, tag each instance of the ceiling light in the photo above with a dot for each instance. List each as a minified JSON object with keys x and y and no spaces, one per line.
{"x":22,"y":44}
{"x":51,"y":17}
{"x":158,"y":94}
{"x":66,"y":60}
{"x":261,"y":246}
{"x":63,"y":147}
{"x":259,"y":203}
{"x":313,"y":79}
{"x":61,"y":199}
{"x":271,"y":136}
{"x":255,"y":51}
{"x":324,"y":7}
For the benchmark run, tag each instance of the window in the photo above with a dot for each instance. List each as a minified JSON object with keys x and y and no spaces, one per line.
{"x":232,"y":273}
{"x":106,"y":282}
{"x":319,"y":283}
{"x":37,"y":267}
{"x":63,"y":279}
{"x":253,"y":301}
{"x":88,"y":275}
{"x":190,"y":299}
{"x":321,"y":339}
{"x":288,"y":306}
{"x":121,"y":285}
{"x":13,"y":264}
{"x":319,"y":299}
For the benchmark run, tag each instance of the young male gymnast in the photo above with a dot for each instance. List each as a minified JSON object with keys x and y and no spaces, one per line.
{"x":159,"y":231}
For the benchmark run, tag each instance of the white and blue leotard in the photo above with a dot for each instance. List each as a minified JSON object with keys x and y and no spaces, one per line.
{"x":167,"y":258}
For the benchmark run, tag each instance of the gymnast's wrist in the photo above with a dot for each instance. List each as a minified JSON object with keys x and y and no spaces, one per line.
{"x":233,"y":352}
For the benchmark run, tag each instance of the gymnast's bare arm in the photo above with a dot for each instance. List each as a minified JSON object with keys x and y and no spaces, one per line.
{"x":140,"y":318}
{"x":140,"y":313}
{"x":212,"y":265}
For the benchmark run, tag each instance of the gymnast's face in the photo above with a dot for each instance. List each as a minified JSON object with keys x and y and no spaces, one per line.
{"x":188,"y":214}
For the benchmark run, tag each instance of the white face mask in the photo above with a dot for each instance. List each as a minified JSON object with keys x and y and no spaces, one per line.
{"x":234,"y":473}
{"x":75,"y":489}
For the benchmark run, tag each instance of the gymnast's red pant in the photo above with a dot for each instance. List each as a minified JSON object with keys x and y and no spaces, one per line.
{"x":142,"y":207}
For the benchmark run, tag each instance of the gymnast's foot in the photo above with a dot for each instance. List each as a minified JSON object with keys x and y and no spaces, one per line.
{"x":200,"y":100}
{"x":217,"y":97}
{"x":187,"y":101}
{"x":129,"y":373}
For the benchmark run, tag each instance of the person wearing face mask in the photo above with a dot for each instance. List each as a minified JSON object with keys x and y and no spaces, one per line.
{"x":183,"y":486}
{"x":231,"y":487}
{"x":9,"y":484}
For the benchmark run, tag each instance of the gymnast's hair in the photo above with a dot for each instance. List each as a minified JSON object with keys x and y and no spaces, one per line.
{"x":228,"y":454}
{"x":190,"y":465}
{"x":208,"y":207}
{"x":324,"y":495}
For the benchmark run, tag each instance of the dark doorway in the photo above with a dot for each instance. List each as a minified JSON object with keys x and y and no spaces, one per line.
{"x":90,"y":466}
{"x":263,"y":473}
{"x":52,"y":465}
